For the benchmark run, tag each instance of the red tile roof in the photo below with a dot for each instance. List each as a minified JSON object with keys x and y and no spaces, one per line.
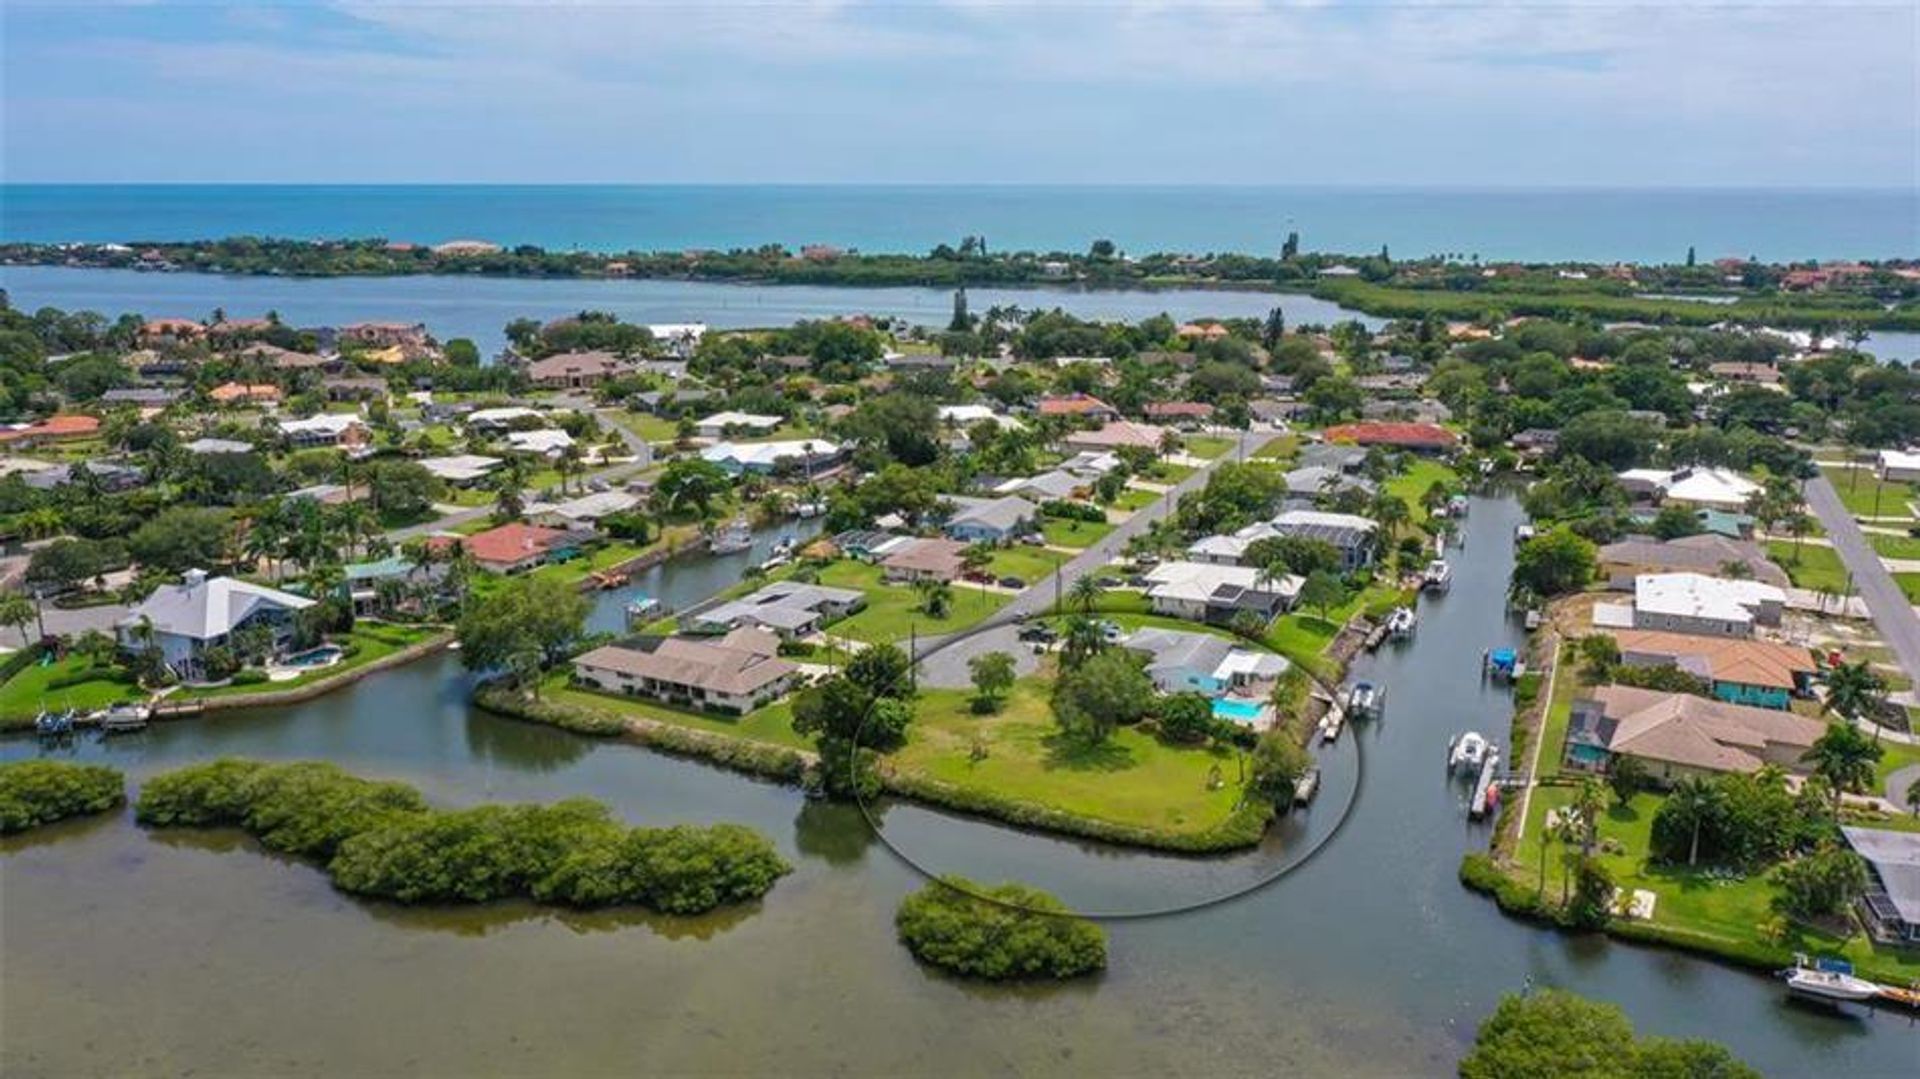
{"x":1197,"y":409}
{"x":1076,"y":404}
{"x":512,"y":543}
{"x":1420,"y":435}
{"x":70,"y":426}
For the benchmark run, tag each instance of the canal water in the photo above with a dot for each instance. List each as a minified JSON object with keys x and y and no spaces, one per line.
{"x":131,"y":951}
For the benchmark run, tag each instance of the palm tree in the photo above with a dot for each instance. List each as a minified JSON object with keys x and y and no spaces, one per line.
{"x":1913,"y":797}
{"x":1085,"y":592}
{"x":1391,"y":511}
{"x":1853,"y":690}
{"x":936,"y":596}
{"x":18,"y":611}
{"x":1845,"y":758}
{"x":1082,"y":641}
{"x":1170,"y":442}
{"x":1696,"y":802}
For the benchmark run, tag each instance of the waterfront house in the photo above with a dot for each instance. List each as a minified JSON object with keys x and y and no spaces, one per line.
{"x":1693,"y":603}
{"x":63,"y":428}
{"x":1536,"y":441}
{"x":361,"y":582}
{"x":1183,"y":662}
{"x":1623,"y":562}
{"x":734,"y":674}
{"x":924,"y":560}
{"x":787,"y":608}
{"x":804,"y":456}
{"x":1679,"y":735}
{"x":723,"y":424}
{"x":576,"y":370}
{"x":1740,"y":670}
{"x":245,"y":393}
{"x":1210,"y":592}
{"x":544,"y":442}
{"x":341,"y":429}
{"x":998,"y":520}
{"x":1347,"y":533}
{"x":515,"y":547}
{"x":582,"y":514}
{"x":1710,"y":488}
{"x":184,"y":620}
{"x":1416,"y":437}
{"x":1891,"y":903}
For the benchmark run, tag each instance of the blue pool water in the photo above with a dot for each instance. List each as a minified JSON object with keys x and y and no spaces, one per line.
{"x":1237,"y":711}
{"x":322,"y":656}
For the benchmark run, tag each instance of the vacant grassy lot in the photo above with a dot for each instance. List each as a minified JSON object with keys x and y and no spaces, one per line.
{"x":1134,"y":498}
{"x":1030,"y":564}
{"x":894,"y":610}
{"x":1810,"y":566}
{"x":1734,"y":915}
{"x":1131,"y":779}
{"x":1065,"y":532}
{"x":33,"y":689}
{"x":1208,"y":446}
{"x":1283,"y":448}
{"x":1413,"y":484}
{"x":1906,"y":547}
{"x":1865,"y":495}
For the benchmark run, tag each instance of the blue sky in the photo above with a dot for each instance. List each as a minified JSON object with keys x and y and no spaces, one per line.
{"x":1564,"y":92}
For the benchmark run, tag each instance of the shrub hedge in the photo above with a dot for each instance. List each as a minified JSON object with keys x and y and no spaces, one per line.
{"x":33,"y":793}
{"x":1004,"y":932}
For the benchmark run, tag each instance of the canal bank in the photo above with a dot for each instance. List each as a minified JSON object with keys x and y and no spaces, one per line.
{"x":149,"y":953}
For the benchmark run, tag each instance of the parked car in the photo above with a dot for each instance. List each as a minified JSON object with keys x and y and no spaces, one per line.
{"x":1034,"y":539}
{"x":978,"y":576}
{"x":1012,"y":582}
{"x":1107,"y":582}
{"x":1037,"y":631}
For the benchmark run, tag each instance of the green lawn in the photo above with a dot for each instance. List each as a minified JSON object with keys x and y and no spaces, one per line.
{"x":1553,"y":732}
{"x":1134,"y":498}
{"x":1905,"y":547}
{"x":1812,"y":566}
{"x":600,"y":558}
{"x":26,"y":693}
{"x":1412,"y":485}
{"x":1910,"y":584}
{"x":772,"y":724}
{"x":1131,"y":779}
{"x":1733,"y":914}
{"x":1168,"y":472}
{"x":1065,"y":532}
{"x":1208,"y":446}
{"x":1303,"y":638}
{"x":893,"y":611}
{"x":1284,"y":448}
{"x":1859,"y":488}
{"x":1030,"y":564}
{"x":650,"y":427}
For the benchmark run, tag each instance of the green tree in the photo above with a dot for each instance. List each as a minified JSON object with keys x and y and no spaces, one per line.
{"x":18,"y":612}
{"x":1853,"y":690}
{"x":1278,"y":762}
{"x":1555,"y":1033}
{"x":1085,"y":593}
{"x":1005,"y":932}
{"x":528,"y":615}
{"x":1107,"y":690}
{"x":993,"y":678}
{"x":1186,"y":717}
{"x":1845,"y":758}
{"x":1627,"y":777}
{"x":1823,"y":883}
{"x":1322,"y":592}
{"x":1554,"y":562}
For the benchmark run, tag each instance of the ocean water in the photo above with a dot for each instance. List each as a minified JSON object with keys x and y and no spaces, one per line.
{"x":1651,"y":225}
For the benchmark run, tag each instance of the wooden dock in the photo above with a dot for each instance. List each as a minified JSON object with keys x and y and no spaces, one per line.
{"x":1484,"y":798}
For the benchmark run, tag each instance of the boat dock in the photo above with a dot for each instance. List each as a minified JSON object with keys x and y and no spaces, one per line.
{"x":1486,"y":791}
{"x":1331,"y":723}
{"x":1306,"y":786}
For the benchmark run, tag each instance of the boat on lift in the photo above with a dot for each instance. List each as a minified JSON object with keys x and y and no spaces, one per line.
{"x":736,"y":536}
{"x":1438,"y":576}
{"x":1829,"y":980}
{"x":1306,"y":786}
{"x":53,"y":723}
{"x":1401,"y":622}
{"x":123,"y":717}
{"x":1365,"y":700}
{"x":1465,"y":752}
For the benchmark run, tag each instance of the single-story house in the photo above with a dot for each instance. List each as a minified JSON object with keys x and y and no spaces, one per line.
{"x":514,"y":547}
{"x":1330,"y":455}
{"x":1897,"y":466}
{"x":721,"y":424}
{"x":1418,"y":437}
{"x":111,"y":476}
{"x":576,"y":370}
{"x":1312,"y":481}
{"x":1679,"y":735}
{"x":966,"y":416}
{"x":52,"y":429}
{"x":998,"y":520}
{"x":1091,"y":464}
{"x":237,"y":393}
{"x":671,"y":402}
{"x":1078,"y":404}
{"x":546,"y":441}
{"x":327,"y":429}
{"x":584,"y":513}
{"x":1117,"y":434}
{"x":184,"y":620}
{"x":734,"y":674}
{"x":1623,"y":562}
{"x":787,"y":608}
{"x":142,"y":396}
{"x":355,"y":388}
{"x":1179,"y":413}
{"x":912,"y":362}
{"x":494,"y":420}
{"x":1892,"y":900}
{"x":218,"y":445}
{"x":1695,"y":603}
{"x":1349,"y":534}
{"x":1210,"y":592}
{"x":1536,"y":441}
{"x":330,"y":494}
{"x":461,"y":470}
{"x":1046,"y":487}
{"x":1712,"y":488}
{"x":924,"y":560}
{"x":1741,"y":670}
{"x":803,"y":455}
{"x":1183,"y":662}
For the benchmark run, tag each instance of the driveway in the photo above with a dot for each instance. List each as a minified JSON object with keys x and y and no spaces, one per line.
{"x":1894,"y":616}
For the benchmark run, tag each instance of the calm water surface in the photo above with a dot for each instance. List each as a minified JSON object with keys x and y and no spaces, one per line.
{"x":129,"y":951}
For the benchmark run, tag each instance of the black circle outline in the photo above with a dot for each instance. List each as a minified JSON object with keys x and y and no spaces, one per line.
{"x":880,"y":832}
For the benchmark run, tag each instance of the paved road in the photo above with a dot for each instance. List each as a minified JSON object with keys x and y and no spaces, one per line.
{"x":1899,"y":626}
{"x":946,"y":661}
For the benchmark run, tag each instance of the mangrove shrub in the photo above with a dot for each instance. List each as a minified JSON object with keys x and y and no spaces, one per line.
{"x":33,"y":793}
{"x":382,"y":839}
{"x":1004,"y":932}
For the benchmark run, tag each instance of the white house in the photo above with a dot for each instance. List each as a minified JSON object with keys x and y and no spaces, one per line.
{"x":199,"y":613}
{"x":1897,"y":466}
{"x":327,"y":429}
{"x":733,"y":675}
{"x":1183,"y":662}
{"x":1695,"y":603}
{"x":965,"y":416}
{"x":720,"y":424}
{"x":499,"y":419}
{"x":806,"y":455}
{"x":461,"y":469}
{"x":980,"y":520}
{"x":1207,"y":592}
{"x":1714,"y":488}
{"x":547,"y":442}
{"x":583,"y":513}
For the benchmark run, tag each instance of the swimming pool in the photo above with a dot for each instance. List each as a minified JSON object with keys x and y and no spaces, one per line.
{"x":1237,"y":710}
{"x":324,"y":656}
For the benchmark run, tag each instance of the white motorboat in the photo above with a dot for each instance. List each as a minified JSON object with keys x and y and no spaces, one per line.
{"x":1401,"y":622}
{"x":736,"y":536}
{"x":1365,"y":699}
{"x":1466,"y":752}
{"x":1306,"y":786}
{"x":1438,"y":576}
{"x":1828,"y":979}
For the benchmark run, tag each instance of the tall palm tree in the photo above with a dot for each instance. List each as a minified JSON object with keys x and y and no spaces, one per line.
{"x":1085,"y":592}
{"x":1853,"y":690}
{"x":1082,"y":641}
{"x":1844,"y":758}
{"x":18,"y":611}
{"x":1695,"y":802}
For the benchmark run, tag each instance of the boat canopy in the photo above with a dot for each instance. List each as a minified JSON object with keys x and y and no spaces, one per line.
{"x":1502,"y":657}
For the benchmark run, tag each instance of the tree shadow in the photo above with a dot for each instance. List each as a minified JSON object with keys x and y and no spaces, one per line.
{"x":1623,"y":814}
{"x":1078,"y":755}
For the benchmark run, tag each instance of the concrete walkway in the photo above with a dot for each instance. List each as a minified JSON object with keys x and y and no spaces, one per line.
{"x":1898,"y":624}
